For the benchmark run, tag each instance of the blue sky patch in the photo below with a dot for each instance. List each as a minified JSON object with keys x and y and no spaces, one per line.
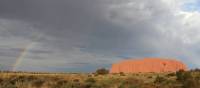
{"x":195,"y":6}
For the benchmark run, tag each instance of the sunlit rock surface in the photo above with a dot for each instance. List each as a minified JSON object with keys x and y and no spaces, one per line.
{"x":157,"y":65}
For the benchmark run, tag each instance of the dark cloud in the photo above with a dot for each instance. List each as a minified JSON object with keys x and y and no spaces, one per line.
{"x":8,"y":53}
{"x":80,"y":32}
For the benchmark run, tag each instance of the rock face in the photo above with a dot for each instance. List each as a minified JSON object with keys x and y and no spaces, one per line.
{"x":157,"y":65}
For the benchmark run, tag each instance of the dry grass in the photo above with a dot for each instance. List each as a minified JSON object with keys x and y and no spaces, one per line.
{"x":72,"y":80}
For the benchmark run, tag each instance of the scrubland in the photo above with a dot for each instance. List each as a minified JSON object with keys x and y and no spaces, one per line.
{"x":180,"y":79}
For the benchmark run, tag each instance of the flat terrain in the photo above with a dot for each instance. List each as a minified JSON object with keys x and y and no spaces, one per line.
{"x":190,"y":79}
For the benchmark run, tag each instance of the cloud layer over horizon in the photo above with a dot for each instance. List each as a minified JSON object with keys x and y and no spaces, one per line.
{"x":83,"y":35}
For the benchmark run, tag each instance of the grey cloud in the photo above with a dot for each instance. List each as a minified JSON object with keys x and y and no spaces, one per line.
{"x":9,"y":53}
{"x":76,"y":32}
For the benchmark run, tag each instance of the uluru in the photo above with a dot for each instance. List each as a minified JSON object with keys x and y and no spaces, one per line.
{"x":157,"y":65}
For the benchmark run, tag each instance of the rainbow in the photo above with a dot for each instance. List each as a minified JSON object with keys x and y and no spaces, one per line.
{"x":22,"y":56}
{"x":25,"y":51}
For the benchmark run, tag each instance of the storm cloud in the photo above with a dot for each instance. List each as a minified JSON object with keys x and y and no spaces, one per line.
{"x":83,"y":35}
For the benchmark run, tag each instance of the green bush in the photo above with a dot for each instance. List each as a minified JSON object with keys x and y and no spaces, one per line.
{"x":62,"y":82}
{"x":183,"y":76}
{"x":131,"y":83}
{"x":90,"y":82}
{"x":122,"y":74}
{"x":159,"y":79}
{"x":72,"y":85}
{"x":196,"y":70}
{"x":7,"y":85}
{"x":171,"y":74}
{"x":102,"y":71}
{"x":191,"y":83}
{"x":187,"y":80}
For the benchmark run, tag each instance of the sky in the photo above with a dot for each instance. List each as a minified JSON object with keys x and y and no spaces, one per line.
{"x":84,"y":35}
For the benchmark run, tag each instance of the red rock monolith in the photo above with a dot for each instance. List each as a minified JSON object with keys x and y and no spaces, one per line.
{"x":157,"y":65}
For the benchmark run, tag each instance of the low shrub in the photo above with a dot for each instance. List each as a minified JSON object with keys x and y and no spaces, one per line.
{"x":131,"y":83}
{"x":89,"y":82}
{"x":159,"y":79}
{"x":183,"y":76}
{"x":102,"y":71}
{"x":171,"y":74}
{"x":122,"y":74}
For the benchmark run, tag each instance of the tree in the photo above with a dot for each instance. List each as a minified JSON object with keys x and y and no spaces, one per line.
{"x":102,"y":71}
